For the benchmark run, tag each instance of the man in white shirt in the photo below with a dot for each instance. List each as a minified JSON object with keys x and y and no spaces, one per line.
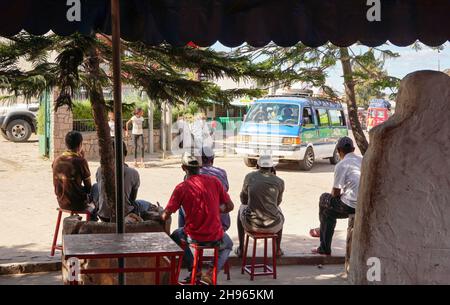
{"x":342,"y":201}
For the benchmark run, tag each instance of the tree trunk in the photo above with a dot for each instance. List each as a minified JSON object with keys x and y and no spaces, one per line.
{"x":358,"y":133}
{"x":99,"y":111}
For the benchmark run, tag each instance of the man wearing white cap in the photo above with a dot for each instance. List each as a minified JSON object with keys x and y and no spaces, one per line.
{"x":261,"y":196}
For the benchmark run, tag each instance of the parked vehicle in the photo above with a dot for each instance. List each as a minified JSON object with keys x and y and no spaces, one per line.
{"x":379,"y":112}
{"x":18,"y":122}
{"x":292,"y":128}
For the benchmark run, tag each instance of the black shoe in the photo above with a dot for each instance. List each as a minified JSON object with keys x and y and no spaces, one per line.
{"x":320,"y":251}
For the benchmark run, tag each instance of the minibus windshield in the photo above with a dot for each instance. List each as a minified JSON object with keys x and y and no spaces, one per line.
{"x":274,"y":113}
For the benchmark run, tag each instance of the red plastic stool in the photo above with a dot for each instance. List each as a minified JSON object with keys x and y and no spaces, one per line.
{"x":267,"y":269}
{"x":199,"y":259}
{"x":58,"y":222}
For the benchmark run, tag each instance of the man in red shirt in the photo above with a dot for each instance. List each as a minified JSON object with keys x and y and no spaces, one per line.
{"x":203,"y":198}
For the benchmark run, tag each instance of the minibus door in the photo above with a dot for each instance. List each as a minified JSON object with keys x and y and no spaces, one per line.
{"x":325,"y":131}
{"x":310,"y":132}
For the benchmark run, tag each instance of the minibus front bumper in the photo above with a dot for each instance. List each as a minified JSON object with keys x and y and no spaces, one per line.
{"x":293,"y":153}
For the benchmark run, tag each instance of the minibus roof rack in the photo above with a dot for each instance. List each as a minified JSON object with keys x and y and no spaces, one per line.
{"x":312,"y":97}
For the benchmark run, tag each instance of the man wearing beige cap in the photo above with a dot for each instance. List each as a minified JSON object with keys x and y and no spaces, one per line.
{"x":261,"y":196}
{"x":202,"y":198}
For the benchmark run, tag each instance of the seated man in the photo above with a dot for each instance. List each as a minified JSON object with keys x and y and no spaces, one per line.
{"x":202,"y":198}
{"x":131,"y":185}
{"x":342,"y":201}
{"x":71,"y":176}
{"x":209,"y":169}
{"x":261,"y":196}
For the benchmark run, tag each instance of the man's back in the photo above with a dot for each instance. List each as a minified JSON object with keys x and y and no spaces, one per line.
{"x":69,"y":171}
{"x":131,"y":185}
{"x":200,"y":196}
{"x":262,"y":191}
{"x":222,"y":176}
{"x":346,"y":177}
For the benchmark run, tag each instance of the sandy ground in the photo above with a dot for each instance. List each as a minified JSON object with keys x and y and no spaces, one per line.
{"x":287,"y":275}
{"x":28,"y":215}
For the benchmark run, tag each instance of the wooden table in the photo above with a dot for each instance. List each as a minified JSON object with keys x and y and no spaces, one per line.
{"x":101,"y":246}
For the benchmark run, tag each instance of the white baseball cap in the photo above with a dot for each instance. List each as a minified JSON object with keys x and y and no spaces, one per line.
{"x":265,"y":161}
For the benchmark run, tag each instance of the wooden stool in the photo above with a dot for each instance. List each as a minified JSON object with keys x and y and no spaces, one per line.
{"x":348,"y":248}
{"x":267,"y":269}
{"x":58,"y":222}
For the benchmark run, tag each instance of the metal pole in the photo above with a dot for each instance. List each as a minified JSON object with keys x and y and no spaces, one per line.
{"x":117,"y":85}
{"x":150,"y":127}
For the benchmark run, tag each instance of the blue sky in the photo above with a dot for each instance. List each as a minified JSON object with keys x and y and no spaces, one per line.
{"x":409,"y":61}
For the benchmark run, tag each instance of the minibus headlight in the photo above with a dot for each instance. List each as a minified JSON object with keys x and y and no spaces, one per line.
{"x":291,"y":141}
{"x":244,"y":138}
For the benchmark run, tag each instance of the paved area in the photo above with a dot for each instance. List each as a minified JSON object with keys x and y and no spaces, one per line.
{"x":28,"y":203}
{"x":287,"y":275}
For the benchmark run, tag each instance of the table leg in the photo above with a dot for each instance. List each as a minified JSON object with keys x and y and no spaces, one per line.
{"x":157,"y":281}
{"x":173,"y":271}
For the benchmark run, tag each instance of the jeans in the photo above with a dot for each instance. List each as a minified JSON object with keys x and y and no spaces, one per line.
{"x":141,"y":206}
{"x":226,"y":245}
{"x":330,"y":209}
{"x":136,"y":138}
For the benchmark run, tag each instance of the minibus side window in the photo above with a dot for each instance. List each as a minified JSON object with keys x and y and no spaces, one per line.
{"x":308,"y":120}
{"x":322,"y":115}
{"x":337,"y":117}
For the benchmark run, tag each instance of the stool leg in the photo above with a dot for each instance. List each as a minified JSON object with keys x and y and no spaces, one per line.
{"x":274,"y":257}
{"x":252,"y":275}
{"x":265,"y":254}
{"x":55,"y":236}
{"x":244,"y":255}
{"x":88,"y":216}
{"x":227,"y":270}
{"x":216,"y":261}
{"x":194,"y":267}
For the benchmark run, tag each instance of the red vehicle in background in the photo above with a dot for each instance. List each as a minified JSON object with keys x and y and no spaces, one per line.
{"x":379,"y":112}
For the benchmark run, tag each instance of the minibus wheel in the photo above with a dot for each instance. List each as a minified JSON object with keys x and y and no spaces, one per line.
{"x":250,"y":162}
{"x":308,"y":160}
{"x":335,"y":159}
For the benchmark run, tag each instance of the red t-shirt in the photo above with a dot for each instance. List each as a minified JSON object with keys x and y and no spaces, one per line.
{"x":200,"y":196}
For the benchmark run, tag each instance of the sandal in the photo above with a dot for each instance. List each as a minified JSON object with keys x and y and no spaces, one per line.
{"x":315,"y":232}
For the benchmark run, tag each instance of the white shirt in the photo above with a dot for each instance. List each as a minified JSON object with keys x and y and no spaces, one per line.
{"x":111,"y":128}
{"x":346,"y":177}
{"x":137,"y":125}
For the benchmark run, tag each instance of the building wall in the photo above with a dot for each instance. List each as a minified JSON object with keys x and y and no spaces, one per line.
{"x":91,"y":148}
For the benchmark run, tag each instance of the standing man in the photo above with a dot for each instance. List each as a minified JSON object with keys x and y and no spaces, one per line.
{"x":261,"y":197}
{"x":202,"y":198}
{"x":342,"y":201}
{"x":138,"y":133}
{"x":71,"y":175}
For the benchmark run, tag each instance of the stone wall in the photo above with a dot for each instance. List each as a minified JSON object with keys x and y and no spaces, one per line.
{"x":402,"y":221}
{"x":91,"y":148}
{"x":61,"y":123}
